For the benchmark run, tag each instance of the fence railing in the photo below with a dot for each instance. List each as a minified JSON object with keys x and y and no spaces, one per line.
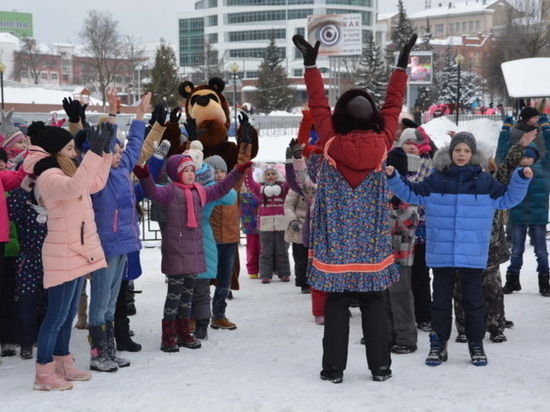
{"x":149,"y":229}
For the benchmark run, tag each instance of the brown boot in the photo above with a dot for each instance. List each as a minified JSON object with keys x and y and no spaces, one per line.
{"x":222,"y":323}
{"x":185,"y":338}
{"x":47,"y":380}
{"x":169,"y":335}
{"x":82,"y":322}
{"x":64,"y":366}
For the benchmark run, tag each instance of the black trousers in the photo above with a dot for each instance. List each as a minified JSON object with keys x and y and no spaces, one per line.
{"x":373,"y":322}
{"x":420,"y":284}
{"x":299,"y":253}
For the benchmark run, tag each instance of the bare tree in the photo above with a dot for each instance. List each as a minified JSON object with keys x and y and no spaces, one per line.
{"x":105,"y":47}
{"x":212,"y":67}
{"x":525,"y":34}
{"x":31,"y":59}
{"x":135,"y":55}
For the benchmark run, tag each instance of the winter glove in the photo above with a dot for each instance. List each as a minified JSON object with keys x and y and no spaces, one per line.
{"x":543,"y":122}
{"x":82,"y":112}
{"x":141,"y":172}
{"x":403,"y":58}
{"x":247,"y":131}
{"x":7,"y":128}
{"x":295,"y":226}
{"x":308,"y":51}
{"x":245,"y":151}
{"x":191,"y":127}
{"x":296,"y":149}
{"x":162,"y":149}
{"x":408,"y":123}
{"x":508,"y":123}
{"x":396,"y":202}
{"x":72,"y":109}
{"x":158,"y":114}
{"x":242,"y":167}
{"x":98,"y":137}
{"x":288,"y":153}
{"x":175,"y":114}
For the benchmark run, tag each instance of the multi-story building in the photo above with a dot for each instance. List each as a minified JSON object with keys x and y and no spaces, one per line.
{"x":16,"y":23}
{"x":238,"y":31}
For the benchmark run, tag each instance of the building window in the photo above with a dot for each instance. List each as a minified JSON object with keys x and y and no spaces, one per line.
{"x":478,"y":25}
{"x":362,"y":3}
{"x":257,"y":2}
{"x":213,"y":20}
{"x":470,"y":26}
{"x":451,"y":28}
{"x":464,"y":26}
{"x":65,"y":77}
{"x":298,"y":72}
{"x":44,"y":76}
{"x":439,"y":28}
{"x":457,"y":27}
{"x":24,"y":74}
{"x":258,"y":52}
{"x":212,"y":3}
{"x":212,"y":38}
{"x":54,"y":76}
{"x":257,"y":35}
{"x":252,"y":74}
{"x":270,"y":15}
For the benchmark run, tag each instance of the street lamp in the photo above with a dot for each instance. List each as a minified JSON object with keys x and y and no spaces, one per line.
{"x":234,"y":68}
{"x":459,"y":60}
{"x":2,"y":69}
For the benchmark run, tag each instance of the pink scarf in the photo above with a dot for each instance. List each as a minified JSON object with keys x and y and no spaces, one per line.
{"x":191,"y":221}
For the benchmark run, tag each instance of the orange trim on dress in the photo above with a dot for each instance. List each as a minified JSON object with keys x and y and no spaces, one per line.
{"x":352,"y":267}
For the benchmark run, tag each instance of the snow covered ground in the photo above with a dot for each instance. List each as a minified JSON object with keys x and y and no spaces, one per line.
{"x":272,"y":361}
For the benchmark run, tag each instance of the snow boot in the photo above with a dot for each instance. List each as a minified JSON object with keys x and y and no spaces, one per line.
{"x":111,"y":346}
{"x":382,"y":374}
{"x":130,"y":299}
{"x":47,"y":380}
{"x":477,"y":354}
{"x":99,"y":359}
{"x":185,"y":338}
{"x":333,"y":375}
{"x":26,"y":352}
{"x":169,"y":335}
{"x":512,"y":283}
{"x":64,"y":366}
{"x":438,"y":350}
{"x":201,"y":329}
{"x":8,"y":349}
{"x":223,"y":323}
{"x":544,"y":285}
{"x":122,"y":335}
{"x":82,"y":320}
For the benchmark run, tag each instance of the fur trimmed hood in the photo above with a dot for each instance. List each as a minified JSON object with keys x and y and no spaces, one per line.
{"x":442,"y":159}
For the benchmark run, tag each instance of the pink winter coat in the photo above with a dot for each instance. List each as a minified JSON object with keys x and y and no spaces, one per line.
{"x":9,"y":180}
{"x":72,"y":247}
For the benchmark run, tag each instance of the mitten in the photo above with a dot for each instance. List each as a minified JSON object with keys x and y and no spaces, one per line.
{"x":246,"y":129}
{"x":162,"y":149}
{"x":403,"y":58}
{"x":242,"y":167}
{"x":141,"y":172}
{"x":97,"y":138}
{"x":543,"y":122}
{"x":191,"y":127}
{"x":295,"y":226}
{"x":288,"y":153}
{"x":508,"y":123}
{"x":296,"y":149}
{"x":82,"y":112}
{"x":7,"y":128}
{"x":175,"y":114}
{"x":158,"y":114}
{"x":72,"y":108}
{"x":308,"y":51}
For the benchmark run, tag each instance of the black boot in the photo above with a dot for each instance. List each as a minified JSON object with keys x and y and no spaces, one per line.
{"x":201,"y":329}
{"x":544,"y":285}
{"x":99,"y":359}
{"x":438,"y":350}
{"x":512,"y":283}
{"x":122,"y":335}
{"x":111,"y":346}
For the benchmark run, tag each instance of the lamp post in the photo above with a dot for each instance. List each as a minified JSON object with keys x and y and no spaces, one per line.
{"x":459,"y":60}
{"x":234,"y":68}
{"x":2,"y":69}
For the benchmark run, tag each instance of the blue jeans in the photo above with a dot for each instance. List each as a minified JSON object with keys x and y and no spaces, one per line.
{"x":104,"y":288}
{"x":226,"y":259}
{"x":55,"y":332}
{"x":538,"y":236}
{"x":472,"y":302}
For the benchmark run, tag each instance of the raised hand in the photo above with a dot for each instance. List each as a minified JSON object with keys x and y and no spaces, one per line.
{"x":390,"y":170}
{"x":143,"y":107}
{"x":158,"y":114}
{"x":296,"y":148}
{"x":141,"y":172}
{"x":528,"y":138}
{"x":175,"y":114}
{"x":99,"y":137}
{"x":403,"y":58}
{"x":72,"y":109}
{"x":528,"y":172}
{"x":247,"y":131}
{"x":162,"y":149}
{"x":308,"y":51}
{"x":7,"y":128}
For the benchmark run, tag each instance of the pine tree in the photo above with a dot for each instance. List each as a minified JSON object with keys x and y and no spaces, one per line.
{"x":402,"y":34}
{"x":273,"y":91}
{"x":427,"y":94}
{"x":164,"y":76}
{"x":372,"y":72}
{"x":448,"y":80}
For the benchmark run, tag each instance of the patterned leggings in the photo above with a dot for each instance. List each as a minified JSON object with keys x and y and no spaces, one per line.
{"x":179,"y":296}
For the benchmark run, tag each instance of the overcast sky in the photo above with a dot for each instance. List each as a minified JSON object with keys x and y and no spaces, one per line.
{"x":60,"y":21}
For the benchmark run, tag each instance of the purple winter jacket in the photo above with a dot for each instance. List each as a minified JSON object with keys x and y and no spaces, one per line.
{"x":182,"y":246}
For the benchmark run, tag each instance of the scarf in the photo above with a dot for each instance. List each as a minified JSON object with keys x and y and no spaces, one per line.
{"x":191,"y":220}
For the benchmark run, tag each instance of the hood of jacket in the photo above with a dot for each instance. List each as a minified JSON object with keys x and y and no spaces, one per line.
{"x":205,"y":174}
{"x":35,"y":154}
{"x":443,"y":162}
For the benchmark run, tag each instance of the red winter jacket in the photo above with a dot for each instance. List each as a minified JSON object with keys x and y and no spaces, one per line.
{"x":9,"y":180}
{"x":358,"y":152}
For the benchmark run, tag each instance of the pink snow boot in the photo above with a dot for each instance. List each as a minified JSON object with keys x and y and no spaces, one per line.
{"x":65,"y":367}
{"x":47,"y":380}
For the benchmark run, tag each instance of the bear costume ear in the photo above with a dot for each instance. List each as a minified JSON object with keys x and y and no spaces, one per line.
{"x":216,"y":84}
{"x":185,"y":89}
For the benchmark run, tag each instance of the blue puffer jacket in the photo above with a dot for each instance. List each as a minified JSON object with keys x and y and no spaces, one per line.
{"x":533,"y":210}
{"x":115,"y":206}
{"x":206,"y":177}
{"x":459,"y":204}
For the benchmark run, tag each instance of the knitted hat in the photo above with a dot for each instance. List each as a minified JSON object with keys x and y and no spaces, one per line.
{"x":398,"y":159}
{"x":532,"y":152}
{"x":50,"y":138}
{"x":195,"y":151}
{"x":359,"y":107}
{"x":185,"y":161}
{"x":410,"y":134}
{"x":9,"y":141}
{"x":527,"y":112}
{"x":216,"y":162}
{"x":463,"y":137}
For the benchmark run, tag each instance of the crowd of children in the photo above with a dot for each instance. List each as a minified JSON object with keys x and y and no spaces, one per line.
{"x":367,"y":201}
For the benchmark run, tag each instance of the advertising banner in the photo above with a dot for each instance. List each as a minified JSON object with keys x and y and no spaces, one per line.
{"x":339,"y":34}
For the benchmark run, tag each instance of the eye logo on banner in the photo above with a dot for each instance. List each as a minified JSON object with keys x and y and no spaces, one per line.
{"x":339,"y":34}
